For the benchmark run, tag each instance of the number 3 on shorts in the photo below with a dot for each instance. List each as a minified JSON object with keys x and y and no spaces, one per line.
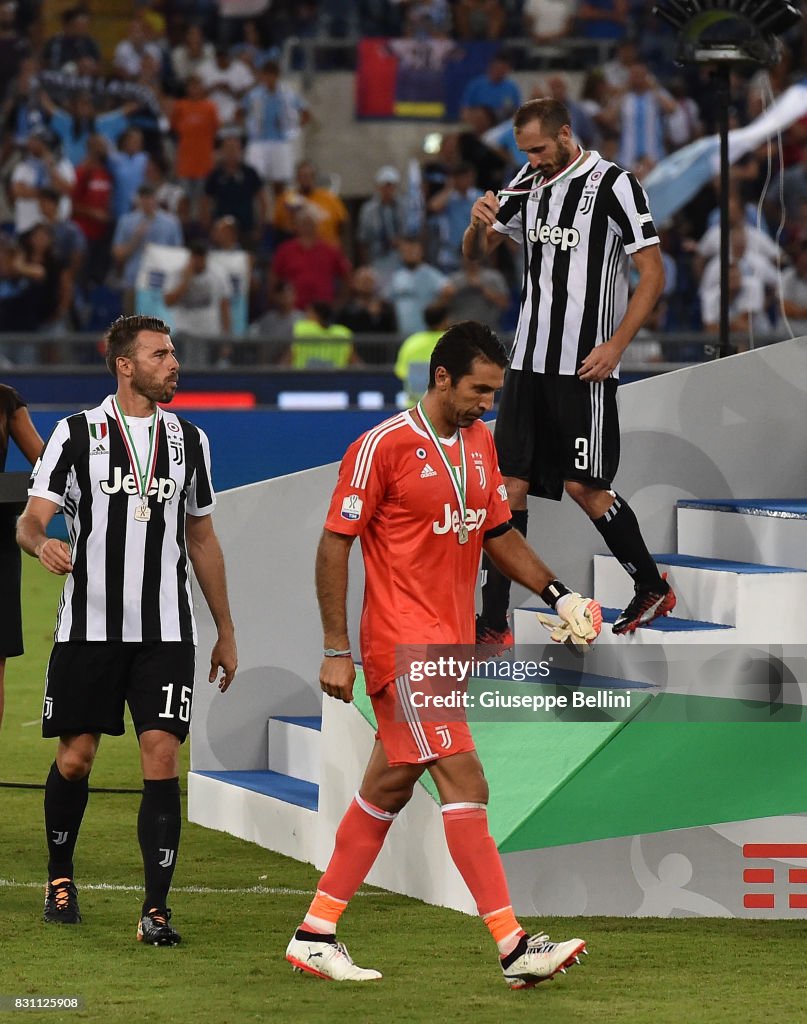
{"x":581,"y":459}
{"x":184,"y":703}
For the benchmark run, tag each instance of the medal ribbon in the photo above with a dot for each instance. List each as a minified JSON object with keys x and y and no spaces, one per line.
{"x":542,"y":184}
{"x":144,"y":480}
{"x":457,"y":484}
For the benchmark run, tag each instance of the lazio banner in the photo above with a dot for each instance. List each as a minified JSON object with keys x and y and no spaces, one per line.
{"x":160,"y":270}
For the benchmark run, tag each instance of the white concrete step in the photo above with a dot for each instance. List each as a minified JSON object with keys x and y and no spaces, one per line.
{"x":763,"y":601}
{"x":294,"y":747}
{"x":769,"y":532}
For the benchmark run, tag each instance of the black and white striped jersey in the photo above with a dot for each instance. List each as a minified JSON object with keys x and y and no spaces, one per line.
{"x":130,"y":578}
{"x":576,"y":236}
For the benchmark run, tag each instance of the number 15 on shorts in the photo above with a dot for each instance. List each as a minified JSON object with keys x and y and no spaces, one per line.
{"x":182,"y":708}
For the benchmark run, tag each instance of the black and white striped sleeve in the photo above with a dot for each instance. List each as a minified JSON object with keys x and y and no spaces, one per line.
{"x":51,"y":475}
{"x":201,"y":496}
{"x":630,"y":212}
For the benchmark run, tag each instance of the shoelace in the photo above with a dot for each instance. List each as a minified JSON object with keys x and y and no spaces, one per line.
{"x":342,"y":949}
{"x":61,"y":893}
{"x":540,"y":944}
{"x":160,"y":917}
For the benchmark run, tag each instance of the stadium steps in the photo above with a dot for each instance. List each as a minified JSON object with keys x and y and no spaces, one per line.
{"x":752,"y":597}
{"x":768,"y":532}
{"x":277,"y":806}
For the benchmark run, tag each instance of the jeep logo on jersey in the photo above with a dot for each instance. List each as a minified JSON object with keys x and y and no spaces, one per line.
{"x":164,"y":487}
{"x":451,"y":519}
{"x":563,"y":238}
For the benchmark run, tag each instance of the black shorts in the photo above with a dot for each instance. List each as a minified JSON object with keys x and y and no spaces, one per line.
{"x":555,"y":428}
{"x":88,"y":684}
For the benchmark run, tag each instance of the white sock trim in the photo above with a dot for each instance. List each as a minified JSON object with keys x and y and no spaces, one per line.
{"x":374,"y":812}
{"x":490,"y":913}
{"x":463,"y":807}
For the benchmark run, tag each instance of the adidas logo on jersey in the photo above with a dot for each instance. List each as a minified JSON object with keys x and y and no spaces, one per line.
{"x":100,"y":450}
{"x":427,"y":471}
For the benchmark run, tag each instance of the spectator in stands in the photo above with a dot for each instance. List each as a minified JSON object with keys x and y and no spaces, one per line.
{"x":69,"y":243}
{"x":469,"y":146}
{"x":479,"y":19}
{"x":252,"y":49}
{"x":277,"y":323}
{"x":412,"y":363}
{"x":597,"y":99}
{"x":190,"y":55}
{"x":41,"y":167}
{"x":682,"y":125}
{"x":227,"y":82}
{"x":195,"y":121}
{"x":171,"y":196}
{"x":45,"y":298}
{"x":476,"y":292}
{"x":495,"y":90}
{"x":273,"y":116}
{"x":74,"y":126}
{"x":602,"y":19}
{"x":617,"y":69}
{"x":73,"y":42}
{"x":319,"y":343}
{"x":759,"y":246}
{"x":127,"y":61}
{"x":200,"y":307}
{"x":134,"y":230}
{"x":413,"y":287}
{"x":368,"y":312}
{"x":748,"y":278}
{"x":450,"y":211}
{"x":128,"y":166}
{"x":642,"y":110}
{"x":549,"y":21}
{"x":92,"y":207}
{"x":233,"y":189}
{"x":14,"y":48}
{"x":323,"y":204}
{"x":794,"y":293}
{"x":381,"y":223}
{"x":318,"y":271}
{"x":21,"y":111}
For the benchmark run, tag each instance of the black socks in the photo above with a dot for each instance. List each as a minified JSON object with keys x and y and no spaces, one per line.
{"x":619,"y":529}
{"x":65,"y":802}
{"x":158,"y":826}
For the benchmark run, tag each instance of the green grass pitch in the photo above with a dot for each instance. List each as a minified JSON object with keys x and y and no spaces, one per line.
{"x":237,"y":904}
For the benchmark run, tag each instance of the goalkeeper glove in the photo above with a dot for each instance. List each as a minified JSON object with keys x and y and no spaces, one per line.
{"x":580,"y":621}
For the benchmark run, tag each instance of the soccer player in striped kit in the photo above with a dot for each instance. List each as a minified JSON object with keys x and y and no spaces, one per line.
{"x":134,"y":483}
{"x":578,"y":219}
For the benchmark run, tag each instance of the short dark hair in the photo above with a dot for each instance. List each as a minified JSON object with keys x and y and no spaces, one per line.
{"x":461,"y":344}
{"x":552,"y":114}
{"x":121,"y":337}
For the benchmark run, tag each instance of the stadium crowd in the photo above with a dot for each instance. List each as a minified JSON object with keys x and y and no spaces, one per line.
{"x":190,"y":134}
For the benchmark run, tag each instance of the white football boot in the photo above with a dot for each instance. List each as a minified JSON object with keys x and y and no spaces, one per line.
{"x":542,"y":959}
{"x":329,"y":960}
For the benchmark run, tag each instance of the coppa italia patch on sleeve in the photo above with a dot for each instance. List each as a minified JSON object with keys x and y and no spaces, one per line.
{"x":351,"y":507}
{"x":645,"y":218}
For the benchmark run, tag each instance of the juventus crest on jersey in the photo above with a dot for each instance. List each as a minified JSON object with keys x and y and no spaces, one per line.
{"x":130,"y":577}
{"x":576,"y":235}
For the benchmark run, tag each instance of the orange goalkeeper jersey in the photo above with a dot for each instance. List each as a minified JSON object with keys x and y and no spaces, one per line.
{"x":394,"y":492}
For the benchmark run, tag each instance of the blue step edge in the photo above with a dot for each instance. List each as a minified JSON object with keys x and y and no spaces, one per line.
{"x":722,"y":564}
{"x":666,"y":624}
{"x":304,"y":721}
{"x":281,"y":787}
{"x":775,"y":508}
